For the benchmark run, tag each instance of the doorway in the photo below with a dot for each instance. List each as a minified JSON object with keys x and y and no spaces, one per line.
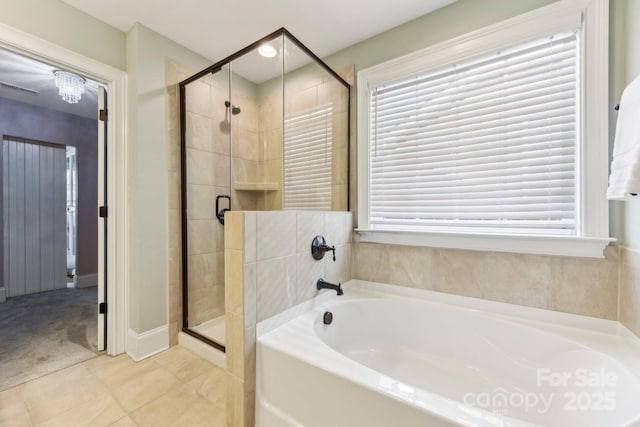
{"x":52,"y":185}
{"x":115,"y":246}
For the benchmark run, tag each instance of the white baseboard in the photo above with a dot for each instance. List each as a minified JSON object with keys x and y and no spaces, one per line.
{"x":86,"y":280}
{"x":203,"y":350}
{"x":146,"y":344}
{"x":3,"y":296}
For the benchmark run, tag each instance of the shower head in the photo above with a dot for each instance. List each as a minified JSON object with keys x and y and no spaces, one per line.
{"x":235,"y":110}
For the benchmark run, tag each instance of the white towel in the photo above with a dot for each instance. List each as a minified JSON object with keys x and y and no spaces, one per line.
{"x":624,"y":180}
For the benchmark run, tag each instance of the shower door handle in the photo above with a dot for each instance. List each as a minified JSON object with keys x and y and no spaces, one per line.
{"x":220,"y":212}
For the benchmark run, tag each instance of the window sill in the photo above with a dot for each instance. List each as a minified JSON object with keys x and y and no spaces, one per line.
{"x":590,"y":247}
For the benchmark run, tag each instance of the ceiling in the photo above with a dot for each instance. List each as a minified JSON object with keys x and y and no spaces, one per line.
{"x":38,"y":77}
{"x":217,"y":28}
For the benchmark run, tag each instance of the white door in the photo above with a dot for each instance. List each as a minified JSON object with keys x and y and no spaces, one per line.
{"x":34,"y":198}
{"x":102,"y":218}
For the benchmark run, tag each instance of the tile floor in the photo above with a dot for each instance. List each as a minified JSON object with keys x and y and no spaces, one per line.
{"x":173,"y":388}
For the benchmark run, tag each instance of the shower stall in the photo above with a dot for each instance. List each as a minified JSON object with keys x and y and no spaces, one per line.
{"x":265,"y":129}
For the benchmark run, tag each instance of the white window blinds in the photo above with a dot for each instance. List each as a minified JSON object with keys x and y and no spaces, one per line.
{"x":307,"y":159}
{"x":488,"y":144}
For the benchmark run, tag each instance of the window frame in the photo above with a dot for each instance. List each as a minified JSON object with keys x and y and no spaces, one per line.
{"x":592,"y":229}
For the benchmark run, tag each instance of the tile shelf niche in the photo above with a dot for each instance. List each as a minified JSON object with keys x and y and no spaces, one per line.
{"x":256,"y":186}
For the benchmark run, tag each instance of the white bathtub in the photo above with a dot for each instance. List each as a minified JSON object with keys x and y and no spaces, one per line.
{"x":402,"y":357}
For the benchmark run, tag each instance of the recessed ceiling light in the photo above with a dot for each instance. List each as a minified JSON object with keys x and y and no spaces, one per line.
{"x":267,"y":51}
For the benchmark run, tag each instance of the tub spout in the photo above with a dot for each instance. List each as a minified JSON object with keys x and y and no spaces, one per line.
{"x":322,"y":284}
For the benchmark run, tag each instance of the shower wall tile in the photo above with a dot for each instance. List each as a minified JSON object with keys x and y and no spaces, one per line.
{"x":245,"y":171}
{"x":219,"y":94}
{"x":234,"y":295}
{"x":246,"y":145}
{"x":275,"y":234}
{"x":250,"y":295}
{"x":298,"y":101}
{"x":309,"y":224}
{"x":199,"y":132}
{"x":199,"y":99}
{"x":220,"y":137}
{"x":235,"y":341}
{"x":201,"y":237}
{"x":272,"y":145}
{"x":276,"y":290}
{"x":248,"y":117}
{"x":200,"y":201}
{"x":201,"y":270}
{"x":234,"y":235}
{"x":338,"y":228}
{"x":308,"y":271}
{"x":199,"y":167}
{"x":250,"y":237}
{"x":220,"y":169}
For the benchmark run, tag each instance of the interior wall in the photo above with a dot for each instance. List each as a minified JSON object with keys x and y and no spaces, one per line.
{"x":631,"y":46}
{"x":153,"y":230}
{"x":41,"y":124}
{"x":59,"y":23}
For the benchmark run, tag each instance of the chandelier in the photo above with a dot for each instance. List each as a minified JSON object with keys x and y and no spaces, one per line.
{"x":70,"y":86}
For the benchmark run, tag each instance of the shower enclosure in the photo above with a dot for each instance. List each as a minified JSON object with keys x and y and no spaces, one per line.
{"x":264,"y":129}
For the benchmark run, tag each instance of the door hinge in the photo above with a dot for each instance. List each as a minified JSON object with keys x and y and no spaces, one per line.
{"x":104,"y":115}
{"x":103,"y":212}
{"x":102,"y":308}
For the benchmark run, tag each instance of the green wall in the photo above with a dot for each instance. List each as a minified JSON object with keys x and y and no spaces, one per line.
{"x":66,"y":26}
{"x":148,"y":173}
{"x":628,"y":23}
{"x":443,"y":24}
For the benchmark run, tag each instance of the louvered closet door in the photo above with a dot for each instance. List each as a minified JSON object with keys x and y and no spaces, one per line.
{"x":34,"y":209}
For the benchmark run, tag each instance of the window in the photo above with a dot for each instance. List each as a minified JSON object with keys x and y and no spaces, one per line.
{"x":307,"y":147}
{"x":488,"y":135}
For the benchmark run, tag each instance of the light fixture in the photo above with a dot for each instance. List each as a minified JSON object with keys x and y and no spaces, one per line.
{"x":267,"y":51}
{"x":70,"y":86}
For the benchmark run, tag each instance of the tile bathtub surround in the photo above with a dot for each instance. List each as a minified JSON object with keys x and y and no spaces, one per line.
{"x":629,"y":300}
{"x":176,"y":388}
{"x":269,"y":268}
{"x":573,"y":285}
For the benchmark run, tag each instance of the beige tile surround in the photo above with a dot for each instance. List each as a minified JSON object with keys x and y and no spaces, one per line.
{"x":573,"y":285}
{"x":270,"y":269}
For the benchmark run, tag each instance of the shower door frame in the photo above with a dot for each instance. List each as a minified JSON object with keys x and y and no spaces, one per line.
{"x":282,"y":32}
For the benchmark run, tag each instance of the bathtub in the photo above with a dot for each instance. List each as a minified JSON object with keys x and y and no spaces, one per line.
{"x":402,"y":357}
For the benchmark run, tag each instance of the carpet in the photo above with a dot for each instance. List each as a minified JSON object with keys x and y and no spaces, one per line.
{"x":45,"y":332}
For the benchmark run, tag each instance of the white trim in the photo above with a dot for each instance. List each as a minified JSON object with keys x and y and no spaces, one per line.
{"x":86,"y":280}
{"x":116,"y":81}
{"x":148,"y":343}
{"x":589,"y":247}
{"x":594,"y":221}
{"x":203,"y":350}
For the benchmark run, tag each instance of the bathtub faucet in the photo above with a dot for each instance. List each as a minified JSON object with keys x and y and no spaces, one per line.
{"x":322,"y":284}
